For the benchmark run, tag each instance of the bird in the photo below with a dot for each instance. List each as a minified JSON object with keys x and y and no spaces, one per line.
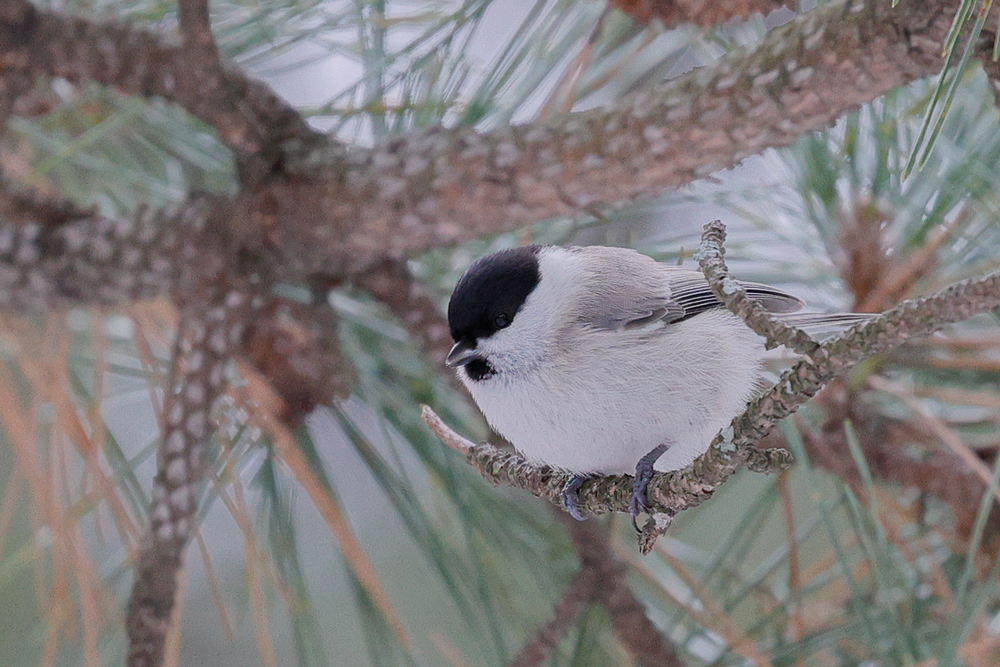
{"x":600,"y":360}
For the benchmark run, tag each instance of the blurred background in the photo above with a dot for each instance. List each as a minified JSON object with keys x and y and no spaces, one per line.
{"x":382,"y":547}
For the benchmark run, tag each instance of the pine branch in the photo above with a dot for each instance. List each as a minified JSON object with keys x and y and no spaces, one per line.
{"x":444,"y":186}
{"x":353,"y":213}
{"x":705,"y":14}
{"x":196,"y":31}
{"x":208,"y":336}
{"x":248,"y":116}
{"x":637,"y":633}
{"x":579,"y":593}
{"x":53,"y":254}
{"x":440,"y":187}
{"x":731,"y":293}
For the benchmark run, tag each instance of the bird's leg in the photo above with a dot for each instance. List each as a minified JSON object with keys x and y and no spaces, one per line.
{"x":643,"y":473}
{"x":569,"y":501}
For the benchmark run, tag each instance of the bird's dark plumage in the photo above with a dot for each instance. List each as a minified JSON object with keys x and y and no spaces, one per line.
{"x":491,"y":292}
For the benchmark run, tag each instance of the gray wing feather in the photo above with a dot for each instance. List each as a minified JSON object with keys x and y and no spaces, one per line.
{"x":625,"y":290}
{"x":691,"y":291}
{"x":630,"y":290}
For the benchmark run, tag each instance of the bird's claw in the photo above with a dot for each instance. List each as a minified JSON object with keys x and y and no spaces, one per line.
{"x":569,"y":500}
{"x":643,"y":473}
{"x":637,"y":506}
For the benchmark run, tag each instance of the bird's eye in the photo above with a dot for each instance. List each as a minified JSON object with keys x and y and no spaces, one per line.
{"x":502,"y":320}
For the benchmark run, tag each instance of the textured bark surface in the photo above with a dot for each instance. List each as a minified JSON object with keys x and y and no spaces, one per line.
{"x":440,"y":187}
{"x":705,"y":13}
{"x":248,"y":116}
{"x":210,"y":332}
{"x":53,"y":254}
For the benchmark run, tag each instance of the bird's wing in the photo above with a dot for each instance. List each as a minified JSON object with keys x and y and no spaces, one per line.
{"x":624,"y":290}
{"x":631,"y":290}
{"x":691,"y":291}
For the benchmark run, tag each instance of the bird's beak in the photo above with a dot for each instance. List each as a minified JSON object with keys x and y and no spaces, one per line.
{"x":461,"y":354}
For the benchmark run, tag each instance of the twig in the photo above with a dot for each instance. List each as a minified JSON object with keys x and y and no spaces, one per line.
{"x":445,"y":433}
{"x":710,"y":257}
{"x":579,"y":593}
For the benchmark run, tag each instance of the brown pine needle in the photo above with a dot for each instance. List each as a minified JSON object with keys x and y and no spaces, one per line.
{"x":718,"y":620}
{"x":213,"y":584}
{"x":711,"y":617}
{"x":259,"y":394}
{"x":258,"y":601}
{"x":794,"y":576}
{"x":450,"y":652}
{"x":939,"y":429}
{"x":172,"y":646}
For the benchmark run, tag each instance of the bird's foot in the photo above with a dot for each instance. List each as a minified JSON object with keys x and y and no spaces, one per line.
{"x":643,"y":473}
{"x":569,"y":501}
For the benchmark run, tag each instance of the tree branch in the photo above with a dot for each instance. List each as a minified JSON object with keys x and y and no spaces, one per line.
{"x":358,"y":212}
{"x":711,"y":259}
{"x":53,"y":254}
{"x":249,"y":117}
{"x":705,"y":14}
{"x":579,"y":593}
{"x":196,"y":30}
{"x":209,"y":334}
{"x":643,"y":640}
{"x":439,"y":187}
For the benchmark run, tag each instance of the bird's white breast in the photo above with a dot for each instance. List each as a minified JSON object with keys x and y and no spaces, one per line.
{"x":597,"y":403}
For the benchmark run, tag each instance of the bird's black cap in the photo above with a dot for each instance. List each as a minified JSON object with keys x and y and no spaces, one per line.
{"x":491,"y":292}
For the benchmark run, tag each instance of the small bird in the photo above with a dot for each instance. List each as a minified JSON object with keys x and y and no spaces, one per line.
{"x":601,"y":360}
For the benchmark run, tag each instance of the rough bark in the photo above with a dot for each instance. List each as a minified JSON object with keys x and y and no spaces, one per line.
{"x":705,"y":13}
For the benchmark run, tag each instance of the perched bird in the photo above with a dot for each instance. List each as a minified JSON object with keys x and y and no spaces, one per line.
{"x":601,"y":360}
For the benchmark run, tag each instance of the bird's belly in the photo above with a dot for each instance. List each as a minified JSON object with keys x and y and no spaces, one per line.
{"x":575,"y":429}
{"x":602,"y":413}
{"x":581,"y":435}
